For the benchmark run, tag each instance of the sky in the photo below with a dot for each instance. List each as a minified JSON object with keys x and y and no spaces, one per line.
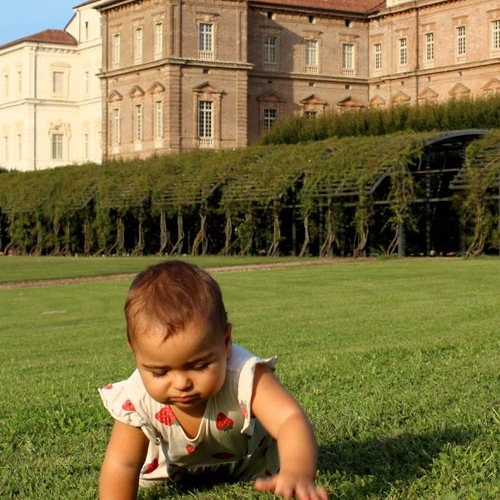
{"x":21,"y":18}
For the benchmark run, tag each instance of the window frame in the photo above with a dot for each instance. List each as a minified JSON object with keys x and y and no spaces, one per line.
{"x":116,"y":127}
{"x":429,"y":46}
{"x":269,"y":118}
{"x":57,"y":82}
{"x":270,"y":52}
{"x":348,"y":58}
{"x":311,"y":55}
{"x":138,"y":43}
{"x":205,"y":119}
{"x":158,"y":39}
{"x":158,"y":117}
{"x":116,"y":48}
{"x":206,"y":32}
{"x":461,"y":40}
{"x":57,"y":147}
{"x":138,"y":123}
{"x":377,"y":55}
{"x":495,"y":34}
{"x":6,"y":86}
{"x":403,"y":51}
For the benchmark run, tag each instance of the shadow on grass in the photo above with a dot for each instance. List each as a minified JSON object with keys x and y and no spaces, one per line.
{"x":371,"y":468}
{"x":366,"y":469}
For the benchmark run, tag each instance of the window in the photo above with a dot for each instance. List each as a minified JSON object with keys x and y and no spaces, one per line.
{"x":461,"y":40}
{"x":86,"y":28}
{"x":429,"y":47}
{"x":6,"y":86}
{"x":205,"y":43}
{"x":158,"y":40}
{"x":86,"y":147}
{"x":495,"y":35}
{"x":116,"y":49}
{"x":347,"y":58}
{"x":270,"y":117}
{"x":138,"y":44}
{"x":57,"y":146}
{"x":377,"y":49}
{"x":86,"y":80}
{"x":158,"y":119}
{"x":270,"y":52}
{"x":310,"y":114}
{"x":6,"y":148}
{"x":116,"y":127}
{"x":205,"y":117}
{"x":57,"y":82}
{"x":19,"y":147}
{"x":311,"y":56}
{"x":403,"y":52}
{"x":138,"y":122}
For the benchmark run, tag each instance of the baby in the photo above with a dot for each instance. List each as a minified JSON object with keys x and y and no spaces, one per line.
{"x":198,"y":407}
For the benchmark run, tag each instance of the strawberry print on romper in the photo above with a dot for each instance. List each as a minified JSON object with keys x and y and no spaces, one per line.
{"x":147,"y":469}
{"x":128,"y":405}
{"x":223,"y":422}
{"x":166,"y":416}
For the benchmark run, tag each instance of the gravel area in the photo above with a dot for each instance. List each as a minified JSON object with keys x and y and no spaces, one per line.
{"x":130,"y":276}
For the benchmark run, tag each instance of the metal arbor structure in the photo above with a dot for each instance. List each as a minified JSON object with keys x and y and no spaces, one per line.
{"x":404,"y":193}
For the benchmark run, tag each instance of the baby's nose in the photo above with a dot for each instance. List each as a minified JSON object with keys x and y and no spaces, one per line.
{"x":181,"y":381}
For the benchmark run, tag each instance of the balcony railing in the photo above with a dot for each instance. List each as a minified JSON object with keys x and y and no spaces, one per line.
{"x":312,"y":70}
{"x":206,"y":142}
{"x":206,"y":55}
{"x":270,"y":66}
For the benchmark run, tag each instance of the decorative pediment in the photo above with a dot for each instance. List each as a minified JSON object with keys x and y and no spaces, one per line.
{"x":350,"y":103}
{"x":377,"y":102}
{"x":428,"y":94}
{"x":312,"y":34}
{"x":60,"y":65}
{"x":156,"y":88}
{"x":206,"y":88}
{"x":493,"y":85}
{"x":136,"y":91}
{"x":60,"y":127}
{"x":270,"y":97}
{"x":313,"y":100}
{"x":459,"y":90}
{"x":401,"y":98}
{"x":114,"y":96}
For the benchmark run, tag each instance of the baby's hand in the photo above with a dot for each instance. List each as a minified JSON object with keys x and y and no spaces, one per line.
{"x":287,"y":486}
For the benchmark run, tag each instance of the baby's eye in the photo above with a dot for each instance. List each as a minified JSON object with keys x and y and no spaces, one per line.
{"x":159,"y":374}
{"x":201,"y":367}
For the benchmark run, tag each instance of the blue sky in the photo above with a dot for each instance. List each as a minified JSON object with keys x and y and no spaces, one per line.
{"x":25,"y":17}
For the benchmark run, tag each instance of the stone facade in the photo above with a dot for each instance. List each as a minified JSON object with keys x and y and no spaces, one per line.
{"x":50,"y":100}
{"x":432,"y":51}
{"x":228,"y":69}
{"x":163,"y":92}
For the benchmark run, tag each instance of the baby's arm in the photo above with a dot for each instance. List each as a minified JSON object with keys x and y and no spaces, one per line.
{"x":125,"y":455}
{"x":285,"y":420}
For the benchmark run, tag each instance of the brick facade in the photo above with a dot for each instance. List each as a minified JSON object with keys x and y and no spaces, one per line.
{"x":217,"y":73}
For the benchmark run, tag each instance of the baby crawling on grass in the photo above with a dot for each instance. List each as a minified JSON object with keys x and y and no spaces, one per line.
{"x":198,"y":407}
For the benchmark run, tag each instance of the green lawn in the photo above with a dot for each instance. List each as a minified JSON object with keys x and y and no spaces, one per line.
{"x":397,"y":363}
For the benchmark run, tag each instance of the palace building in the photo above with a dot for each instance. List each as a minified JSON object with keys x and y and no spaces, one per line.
{"x":168,"y":76}
{"x":50,"y":95}
{"x":179,"y":75}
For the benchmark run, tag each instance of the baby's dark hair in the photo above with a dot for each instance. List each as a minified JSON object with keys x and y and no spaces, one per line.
{"x":171,"y":294}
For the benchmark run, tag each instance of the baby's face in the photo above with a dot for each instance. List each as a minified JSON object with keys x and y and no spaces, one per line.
{"x":185,"y":369}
